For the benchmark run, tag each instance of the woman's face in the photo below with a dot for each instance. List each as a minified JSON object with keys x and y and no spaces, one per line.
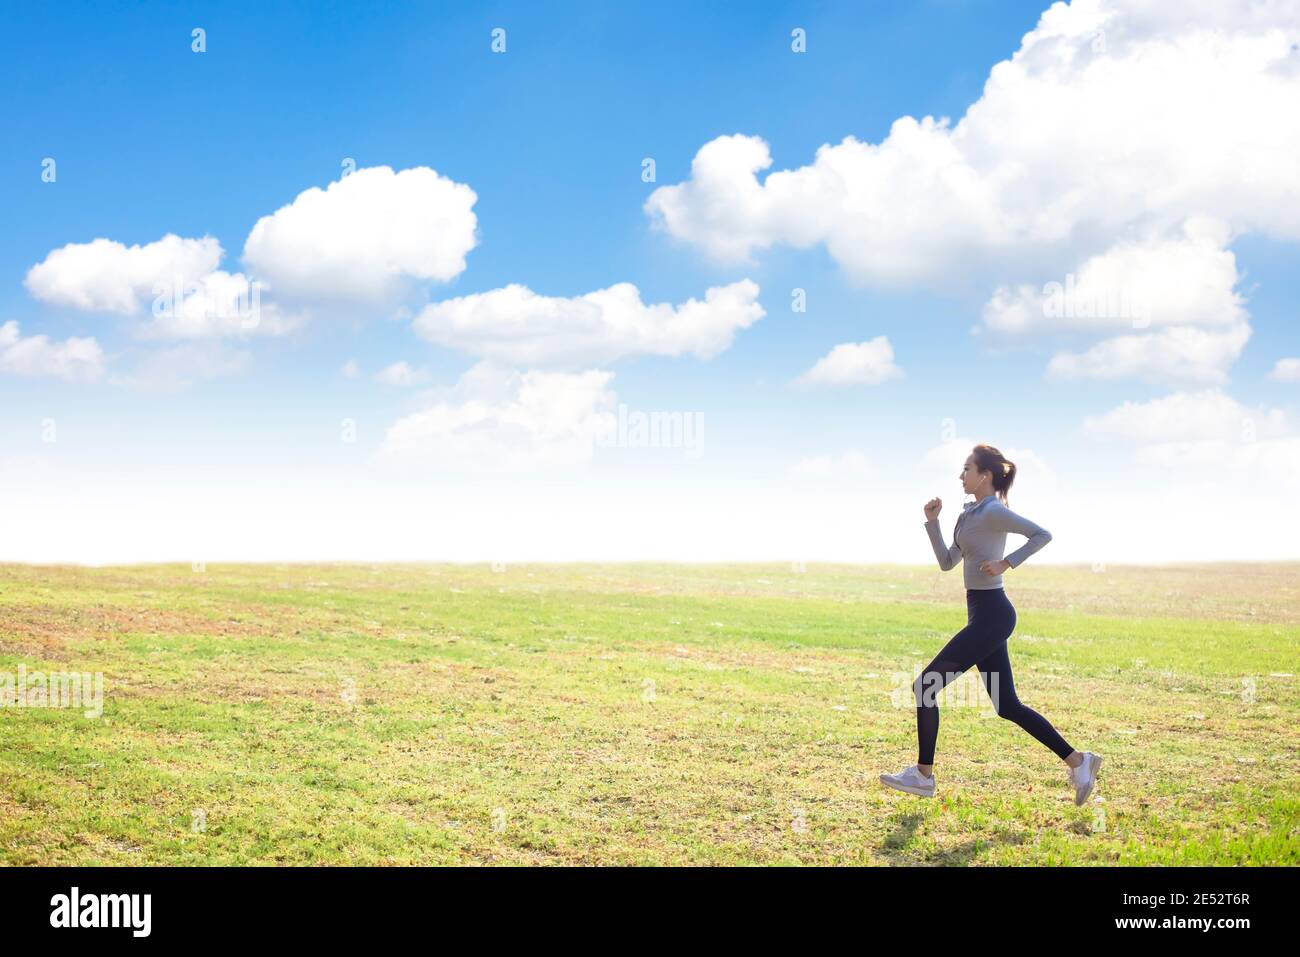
{"x":971,"y":477}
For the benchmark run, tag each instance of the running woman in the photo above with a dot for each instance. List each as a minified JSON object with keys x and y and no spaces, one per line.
{"x":979,"y":539}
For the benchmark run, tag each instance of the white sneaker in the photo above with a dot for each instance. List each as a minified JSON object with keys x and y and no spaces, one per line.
{"x":1084,"y":776}
{"x":911,"y":780}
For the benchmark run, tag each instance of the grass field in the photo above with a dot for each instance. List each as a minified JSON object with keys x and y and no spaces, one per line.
{"x":641,"y":714}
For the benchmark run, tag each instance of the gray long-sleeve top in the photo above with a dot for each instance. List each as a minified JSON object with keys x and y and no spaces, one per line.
{"x":980,"y":534}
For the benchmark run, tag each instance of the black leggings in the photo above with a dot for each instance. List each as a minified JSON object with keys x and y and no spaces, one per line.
{"x":982,"y":643}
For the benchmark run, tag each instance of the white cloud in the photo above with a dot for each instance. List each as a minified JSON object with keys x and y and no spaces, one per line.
{"x":220,"y":304}
{"x":1207,"y":415}
{"x":366,"y":236}
{"x":1128,"y":141}
{"x":854,"y":363}
{"x":1263,"y":459}
{"x":500,"y":420}
{"x":1113,"y":113}
{"x":187,"y":296}
{"x":401,"y":375}
{"x":1181,"y":289}
{"x":107,"y":276}
{"x":1253,"y":450}
{"x":1286,"y":370}
{"x":1157,"y":281}
{"x":350,"y":369}
{"x":1180,"y":354}
{"x":181,"y":366}
{"x":75,"y":359}
{"x":516,"y":325}
{"x":1243,"y":464}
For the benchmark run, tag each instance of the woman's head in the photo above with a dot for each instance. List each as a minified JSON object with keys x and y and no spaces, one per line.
{"x":987,"y":470}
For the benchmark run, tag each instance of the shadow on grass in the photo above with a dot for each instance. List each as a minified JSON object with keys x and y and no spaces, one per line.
{"x":894,"y":847}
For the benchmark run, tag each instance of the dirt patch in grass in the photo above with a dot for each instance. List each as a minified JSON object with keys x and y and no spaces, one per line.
{"x":45,"y":631}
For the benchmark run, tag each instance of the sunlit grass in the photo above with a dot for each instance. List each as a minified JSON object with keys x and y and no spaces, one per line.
{"x":357,"y":714}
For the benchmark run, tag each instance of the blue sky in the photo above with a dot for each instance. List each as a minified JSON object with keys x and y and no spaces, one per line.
{"x":151,"y":138}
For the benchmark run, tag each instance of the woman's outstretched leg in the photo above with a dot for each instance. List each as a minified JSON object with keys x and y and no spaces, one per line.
{"x":995,"y":669}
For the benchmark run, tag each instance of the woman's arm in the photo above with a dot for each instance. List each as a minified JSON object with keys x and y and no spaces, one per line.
{"x":1009,"y":521}
{"x":948,"y":557}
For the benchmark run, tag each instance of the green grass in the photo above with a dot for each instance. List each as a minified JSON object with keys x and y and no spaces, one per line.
{"x":641,"y":714}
